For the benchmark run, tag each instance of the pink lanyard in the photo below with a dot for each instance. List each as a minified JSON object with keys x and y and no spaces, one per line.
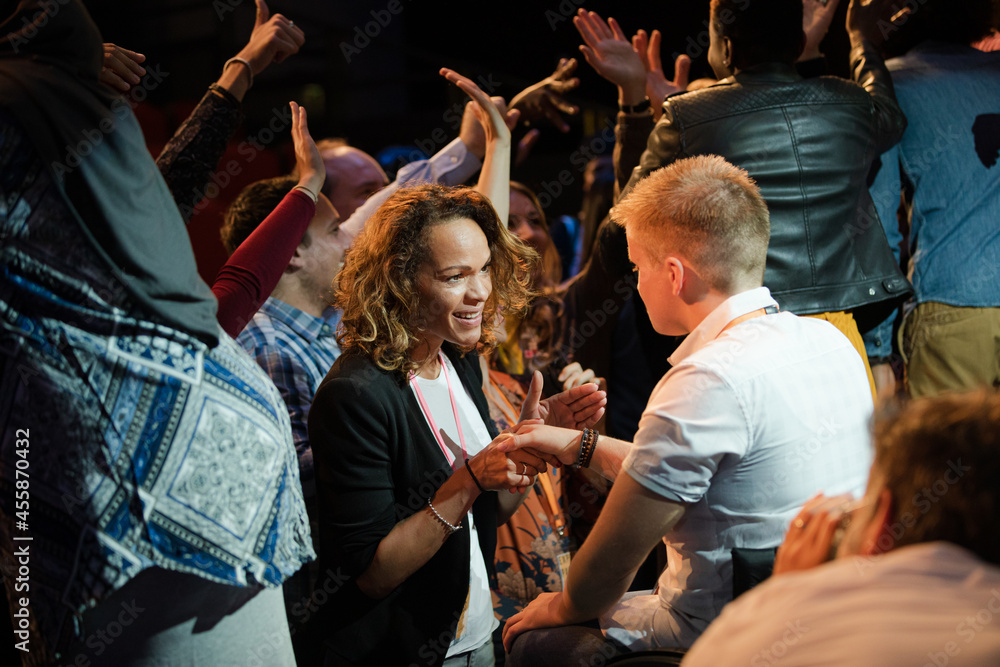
{"x":430,"y":418}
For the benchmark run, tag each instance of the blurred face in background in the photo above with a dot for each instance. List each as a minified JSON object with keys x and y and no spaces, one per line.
{"x":525,"y":222}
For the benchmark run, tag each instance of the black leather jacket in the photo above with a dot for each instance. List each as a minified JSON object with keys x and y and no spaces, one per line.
{"x":809,"y":144}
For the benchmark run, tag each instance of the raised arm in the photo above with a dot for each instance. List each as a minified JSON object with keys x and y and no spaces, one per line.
{"x":494,"y":180}
{"x":193,"y":153}
{"x":251,"y":274}
{"x":868,"y":70}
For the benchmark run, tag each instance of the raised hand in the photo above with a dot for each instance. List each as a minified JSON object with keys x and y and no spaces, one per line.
{"x":121,"y":69}
{"x":309,"y":163}
{"x":611,"y":54}
{"x":657,"y":85}
{"x":816,"y":19}
{"x":273,"y":39}
{"x":496,"y":121}
{"x":545,"y":98}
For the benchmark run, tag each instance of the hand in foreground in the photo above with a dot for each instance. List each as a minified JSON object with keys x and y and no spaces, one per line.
{"x":657,"y":86}
{"x":545,"y":98}
{"x":545,"y":611}
{"x":870,"y":20}
{"x":308,"y":162}
{"x":558,"y":446}
{"x":816,"y":19}
{"x":498,"y":470}
{"x":611,"y":54}
{"x":579,"y":407}
{"x":121,"y":69}
{"x":807,"y":543}
{"x":273,"y":39}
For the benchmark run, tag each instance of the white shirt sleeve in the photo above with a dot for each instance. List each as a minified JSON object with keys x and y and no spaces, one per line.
{"x":452,"y":165}
{"x":693,"y":422}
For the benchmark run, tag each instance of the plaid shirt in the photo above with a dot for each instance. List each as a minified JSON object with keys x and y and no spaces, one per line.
{"x":297,"y":350}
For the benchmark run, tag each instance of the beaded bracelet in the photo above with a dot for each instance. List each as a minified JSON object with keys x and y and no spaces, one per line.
{"x":588,"y":443}
{"x":451,"y":529}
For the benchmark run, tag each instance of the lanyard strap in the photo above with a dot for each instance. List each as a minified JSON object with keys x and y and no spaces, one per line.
{"x":556,"y":514}
{"x":430,"y":418}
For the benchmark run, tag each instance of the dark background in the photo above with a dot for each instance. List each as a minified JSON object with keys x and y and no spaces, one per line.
{"x":389,"y":93}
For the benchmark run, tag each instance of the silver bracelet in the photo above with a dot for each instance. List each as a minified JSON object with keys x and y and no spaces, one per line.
{"x":237,"y":59}
{"x":452,"y":529}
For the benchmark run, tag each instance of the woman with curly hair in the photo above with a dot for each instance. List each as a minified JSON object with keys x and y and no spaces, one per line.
{"x":406,"y":473}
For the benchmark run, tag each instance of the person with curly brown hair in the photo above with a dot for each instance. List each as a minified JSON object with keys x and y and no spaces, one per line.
{"x":406,"y":472}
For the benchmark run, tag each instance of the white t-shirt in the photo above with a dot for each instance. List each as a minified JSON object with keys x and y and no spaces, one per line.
{"x":477,"y":623}
{"x":750,"y":423}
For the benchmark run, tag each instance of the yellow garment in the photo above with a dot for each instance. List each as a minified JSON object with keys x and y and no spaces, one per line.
{"x":847,"y":326}
{"x":510,"y":359}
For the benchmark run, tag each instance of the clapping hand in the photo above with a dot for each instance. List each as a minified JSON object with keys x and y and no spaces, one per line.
{"x":308,"y":162}
{"x":612,"y":55}
{"x":657,"y":85}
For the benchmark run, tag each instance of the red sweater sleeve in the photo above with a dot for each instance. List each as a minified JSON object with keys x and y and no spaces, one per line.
{"x":253,"y":271}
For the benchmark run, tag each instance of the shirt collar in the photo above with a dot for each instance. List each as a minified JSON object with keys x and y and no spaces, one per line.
{"x":308,"y":326}
{"x":727,"y":311}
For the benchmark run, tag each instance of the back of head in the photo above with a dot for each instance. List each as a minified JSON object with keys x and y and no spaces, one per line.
{"x":708,"y":211}
{"x":762,"y":31}
{"x":940,"y":459}
{"x":250,"y":207}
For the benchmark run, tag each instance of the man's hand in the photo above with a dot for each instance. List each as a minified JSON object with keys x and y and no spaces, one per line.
{"x":816,"y":19}
{"x":611,"y":54}
{"x":557,"y":446}
{"x":545,"y":611}
{"x":657,"y":86}
{"x":122,"y":68}
{"x":545,"y":99}
{"x":308,"y":161}
{"x":579,"y":407}
{"x":273,"y":39}
{"x":863,"y":19}
{"x":807,"y":543}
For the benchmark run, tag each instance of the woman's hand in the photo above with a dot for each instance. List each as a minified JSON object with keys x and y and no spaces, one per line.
{"x":545,"y":98}
{"x":122,"y":68}
{"x":273,"y":39}
{"x":497,"y":470}
{"x":494,"y":180}
{"x":580,"y":406}
{"x":312,"y":173}
{"x":807,"y":543}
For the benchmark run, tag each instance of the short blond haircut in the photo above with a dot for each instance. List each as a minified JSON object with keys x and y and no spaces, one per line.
{"x":706,"y":210}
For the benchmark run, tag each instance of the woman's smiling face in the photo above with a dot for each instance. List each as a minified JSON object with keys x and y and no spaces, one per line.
{"x":454,"y":284}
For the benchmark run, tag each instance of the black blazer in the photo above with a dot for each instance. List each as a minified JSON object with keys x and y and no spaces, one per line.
{"x":376,"y":463}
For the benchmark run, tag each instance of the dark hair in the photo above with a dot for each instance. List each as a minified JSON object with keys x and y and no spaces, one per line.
{"x":377,"y":288}
{"x":250,"y":207}
{"x":940,"y":460}
{"x":962,"y":22}
{"x":761,"y":31}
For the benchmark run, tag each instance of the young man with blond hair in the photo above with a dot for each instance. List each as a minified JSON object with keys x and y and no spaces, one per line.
{"x":760,"y":411}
